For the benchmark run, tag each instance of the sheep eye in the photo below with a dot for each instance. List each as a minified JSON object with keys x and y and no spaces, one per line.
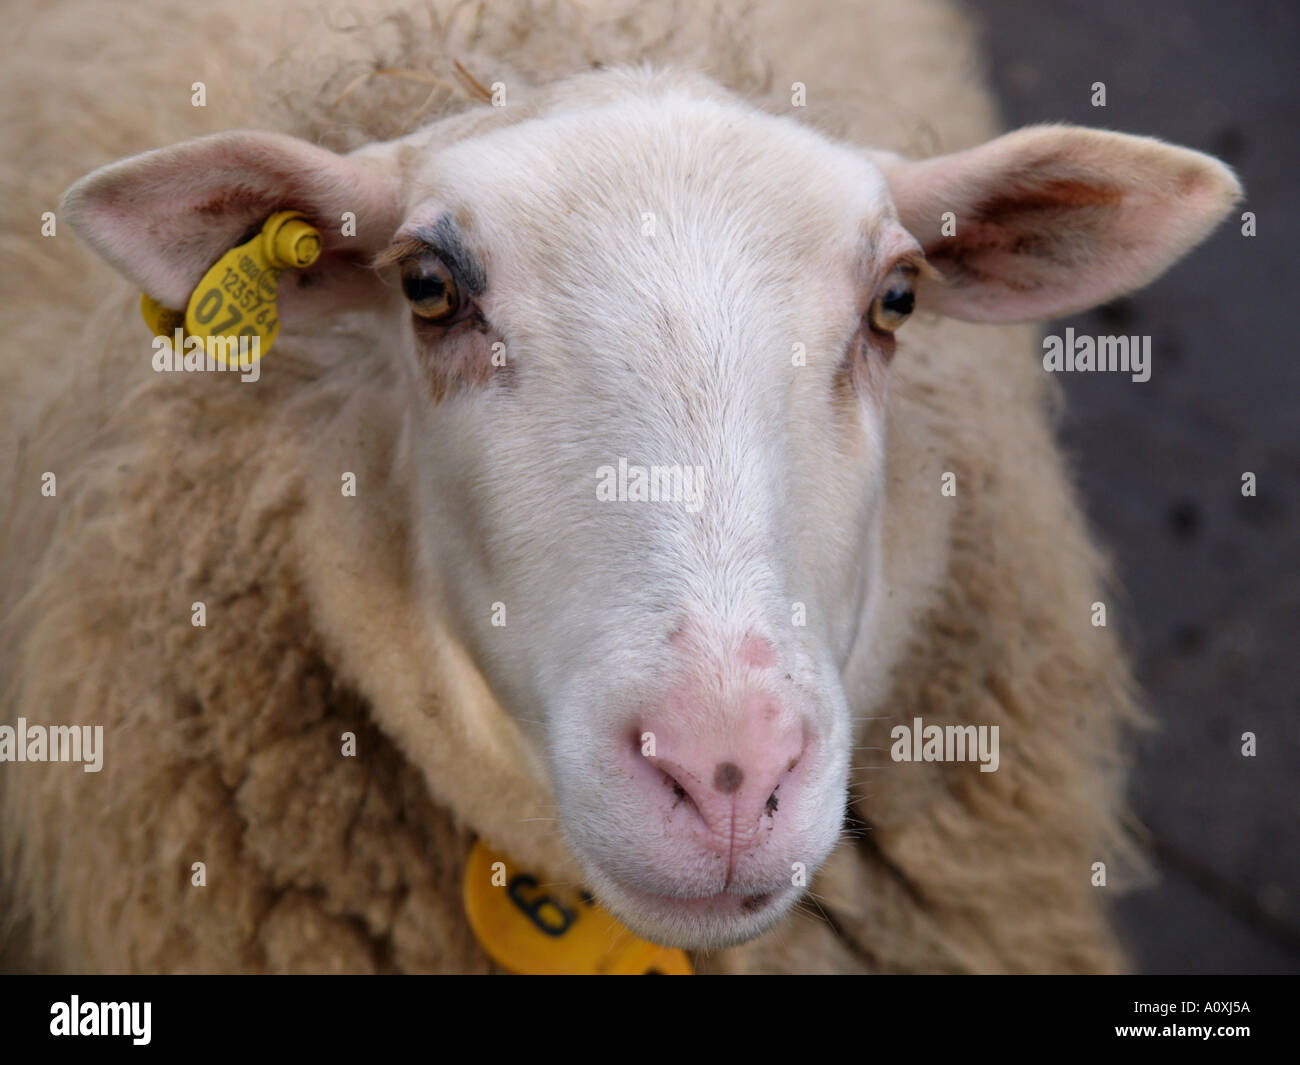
{"x":431,"y":289}
{"x":894,"y":299}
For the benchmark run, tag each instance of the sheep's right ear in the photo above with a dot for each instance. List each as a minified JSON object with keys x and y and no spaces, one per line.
{"x":164,"y":217}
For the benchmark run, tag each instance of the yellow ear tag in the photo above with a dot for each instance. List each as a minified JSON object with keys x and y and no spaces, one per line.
{"x":535,"y":929}
{"x":236,"y":297}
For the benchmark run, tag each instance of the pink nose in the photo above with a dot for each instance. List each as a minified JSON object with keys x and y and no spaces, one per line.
{"x":732,"y":784}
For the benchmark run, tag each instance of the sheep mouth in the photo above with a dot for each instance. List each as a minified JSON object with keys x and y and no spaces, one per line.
{"x":723,"y":902}
{"x":723,"y":919}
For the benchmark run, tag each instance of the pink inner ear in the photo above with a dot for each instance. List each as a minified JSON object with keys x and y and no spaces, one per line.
{"x":164,"y":217}
{"x":1054,"y":219}
{"x":1019,"y":253}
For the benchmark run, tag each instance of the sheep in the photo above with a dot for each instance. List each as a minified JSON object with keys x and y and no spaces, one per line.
{"x":278,"y":597}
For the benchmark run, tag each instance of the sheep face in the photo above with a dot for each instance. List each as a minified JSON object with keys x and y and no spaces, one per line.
{"x":646,"y":333}
{"x":653,"y":514}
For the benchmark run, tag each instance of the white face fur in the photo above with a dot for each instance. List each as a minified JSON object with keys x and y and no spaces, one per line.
{"x":676,"y":283}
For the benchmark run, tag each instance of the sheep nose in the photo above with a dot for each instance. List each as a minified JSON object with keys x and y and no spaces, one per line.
{"x":734,"y":790}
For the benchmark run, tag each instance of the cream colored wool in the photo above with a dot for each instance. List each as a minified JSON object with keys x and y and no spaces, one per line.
{"x":223,"y":742}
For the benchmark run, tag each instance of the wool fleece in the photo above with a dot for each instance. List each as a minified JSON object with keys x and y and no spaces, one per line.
{"x":221,"y":743}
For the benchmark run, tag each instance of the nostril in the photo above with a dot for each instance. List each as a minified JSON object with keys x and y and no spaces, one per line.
{"x":728,"y":777}
{"x":679,"y":792}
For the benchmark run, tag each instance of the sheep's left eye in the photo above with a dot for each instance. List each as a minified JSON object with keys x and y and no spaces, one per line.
{"x":894,"y":299}
{"x":431,"y":289}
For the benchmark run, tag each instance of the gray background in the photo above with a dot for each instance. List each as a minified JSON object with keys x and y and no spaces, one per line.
{"x":1212,"y":579}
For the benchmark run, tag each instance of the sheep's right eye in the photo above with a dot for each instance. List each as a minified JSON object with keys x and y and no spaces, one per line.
{"x":431,"y":289}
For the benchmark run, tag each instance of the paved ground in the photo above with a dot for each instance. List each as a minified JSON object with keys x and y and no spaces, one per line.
{"x":1213,"y":579}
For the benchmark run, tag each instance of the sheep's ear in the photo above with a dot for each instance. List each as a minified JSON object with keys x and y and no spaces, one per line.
{"x":1054,"y":219}
{"x":164,"y":217}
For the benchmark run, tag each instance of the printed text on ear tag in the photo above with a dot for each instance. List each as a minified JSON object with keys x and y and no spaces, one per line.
{"x":237,"y":296}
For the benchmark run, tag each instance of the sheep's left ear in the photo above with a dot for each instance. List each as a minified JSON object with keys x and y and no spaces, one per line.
{"x":1054,"y":219}
{"x":164,"y":217}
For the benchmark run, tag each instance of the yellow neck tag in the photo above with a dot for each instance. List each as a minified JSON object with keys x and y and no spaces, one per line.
{"x":539,"y":929}
{"x":236,"y":297}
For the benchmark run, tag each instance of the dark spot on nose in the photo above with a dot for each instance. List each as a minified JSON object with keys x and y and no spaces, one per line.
{"x":727,"y":777}
{"x":755,"y":902}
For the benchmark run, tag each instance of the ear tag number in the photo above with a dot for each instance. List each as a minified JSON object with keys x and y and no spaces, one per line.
{"x":237,"y":296}
{"x":547,"y":914}
{"x":533,"y":927}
